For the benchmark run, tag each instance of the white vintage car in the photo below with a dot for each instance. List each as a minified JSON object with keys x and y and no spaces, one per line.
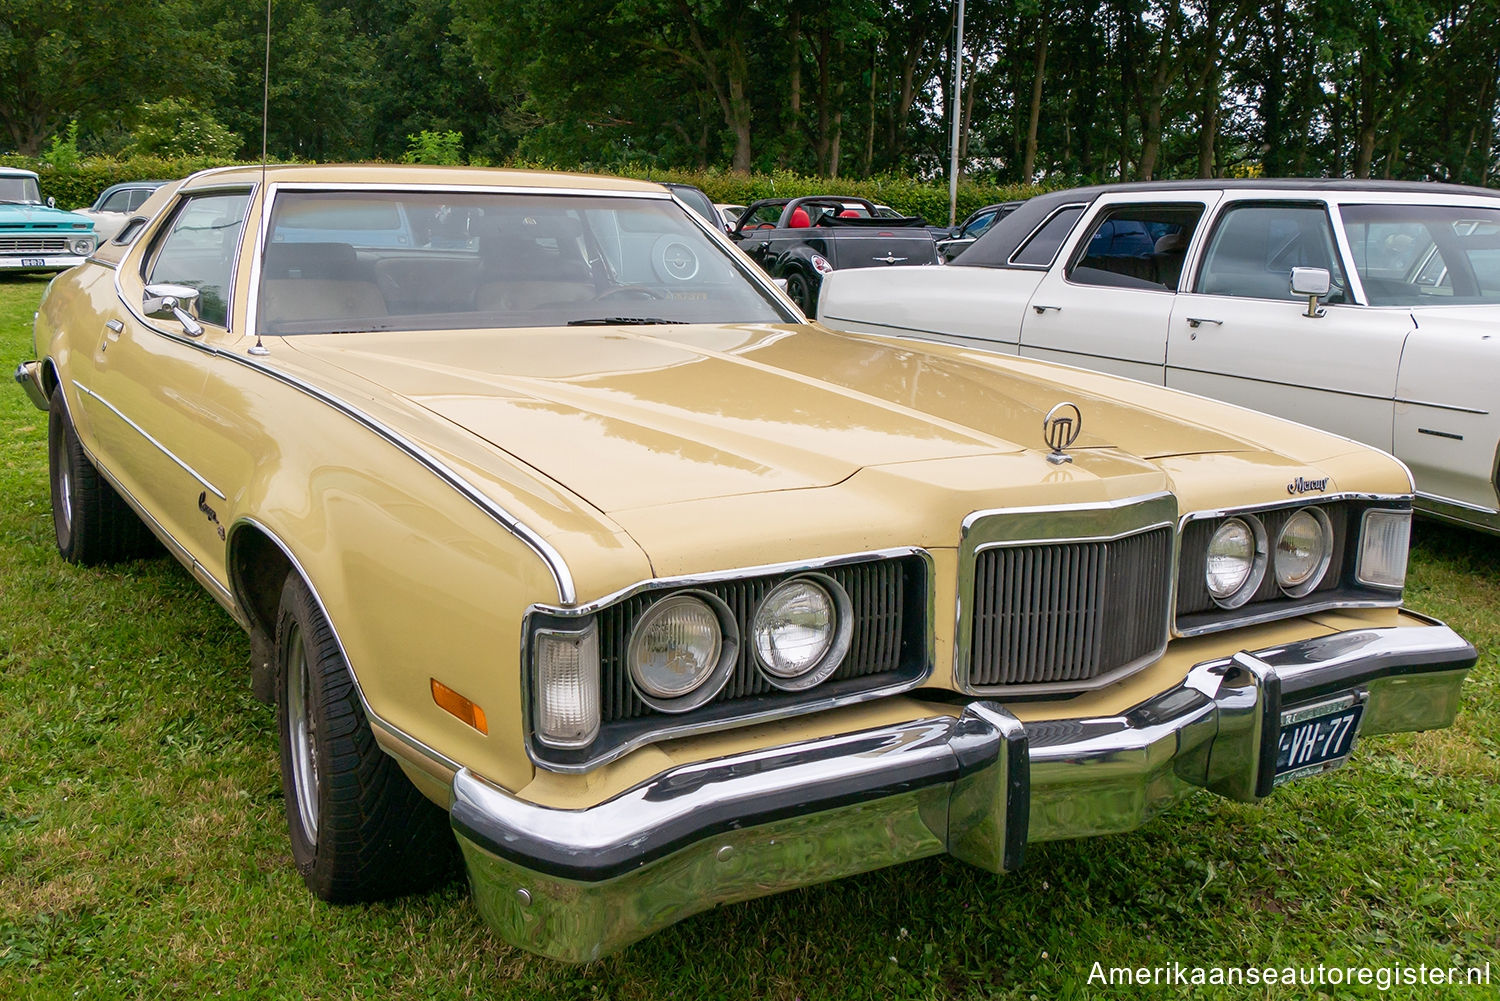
{"x":1370,"y":309}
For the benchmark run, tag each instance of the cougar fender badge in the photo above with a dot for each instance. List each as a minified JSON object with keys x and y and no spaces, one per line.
{"x":1301,"y":486}
{"x":1060,"y":429}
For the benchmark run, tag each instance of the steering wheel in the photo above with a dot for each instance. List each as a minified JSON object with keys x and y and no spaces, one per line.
{"x":630,"y":292}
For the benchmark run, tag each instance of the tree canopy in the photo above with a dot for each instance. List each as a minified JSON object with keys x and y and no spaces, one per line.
{"x":1119,"y":89}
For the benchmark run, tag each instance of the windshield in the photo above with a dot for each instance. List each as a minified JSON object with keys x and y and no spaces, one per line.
{"x":20,"y":189}
{"x":361,"y":261}
{"x":1425,"y":255}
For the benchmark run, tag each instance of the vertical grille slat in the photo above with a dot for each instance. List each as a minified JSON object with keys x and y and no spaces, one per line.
{"x":1066,"y":613}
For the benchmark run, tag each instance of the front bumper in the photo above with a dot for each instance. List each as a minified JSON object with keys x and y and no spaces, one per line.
{"x":29,"y":376}
{"x":41,"y":262}
{"x":576,"y":884}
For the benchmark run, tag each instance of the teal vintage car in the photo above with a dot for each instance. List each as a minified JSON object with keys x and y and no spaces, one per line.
{"x":37,"y":236}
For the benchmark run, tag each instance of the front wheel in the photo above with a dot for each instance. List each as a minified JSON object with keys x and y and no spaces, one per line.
{"x":359,"y":829}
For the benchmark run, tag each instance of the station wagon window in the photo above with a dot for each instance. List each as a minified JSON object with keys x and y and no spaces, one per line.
{"x":1041,"y":247}
{"x":118,"y":201}
{"x":1255,"y":246}
{"x":199,"y":250}
{"x":1137,"y":246}
{"x":348,"y":261}
{"x":1413,"y":255}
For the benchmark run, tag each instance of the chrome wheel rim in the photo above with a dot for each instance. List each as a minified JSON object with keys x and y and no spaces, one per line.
{"x":64,"y":495}
{"x":303,"y":735}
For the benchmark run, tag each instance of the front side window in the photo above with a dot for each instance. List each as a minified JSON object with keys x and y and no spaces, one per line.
{"x":1255,"y":246}
{"x":1416,"y":255}
{"x":1137,"y":246}
{"x":199,"y":250}
{"x":979,"y":224}
{"x":345,"y":261}
{"x":117,"y":201}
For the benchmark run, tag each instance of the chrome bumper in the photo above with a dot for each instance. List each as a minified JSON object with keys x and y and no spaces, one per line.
{"x":577,"y":884}
{"x":29,"y":376}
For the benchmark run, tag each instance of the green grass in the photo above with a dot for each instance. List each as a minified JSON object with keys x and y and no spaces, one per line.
{"x":143,"y":850}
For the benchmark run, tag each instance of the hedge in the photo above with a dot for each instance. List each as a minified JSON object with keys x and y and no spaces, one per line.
{"x":78,"y":186}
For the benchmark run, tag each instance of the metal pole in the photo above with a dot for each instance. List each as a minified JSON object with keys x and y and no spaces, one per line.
{"x":958,"y":78}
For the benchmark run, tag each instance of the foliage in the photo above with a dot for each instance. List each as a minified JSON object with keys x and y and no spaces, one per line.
{"x":178,"y":129}
{"x":440,"y":148}
{"x":81,"y":185}
{"x":62,"y":151}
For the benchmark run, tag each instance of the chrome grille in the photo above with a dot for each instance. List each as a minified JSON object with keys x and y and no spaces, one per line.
{"x":33,"y":245}
{"x":1063,"y":614}
{"x":877,"y":596}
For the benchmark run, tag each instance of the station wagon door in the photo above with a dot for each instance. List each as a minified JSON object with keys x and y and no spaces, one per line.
{"x":1106,"y":302}
{"x":1240,"y":335}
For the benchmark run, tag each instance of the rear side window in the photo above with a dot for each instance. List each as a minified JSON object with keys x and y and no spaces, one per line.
{"x":1137,"y":246}
{"x":1041,"y":247}
{"x":1255,"y":246}
{"x":199,"y":250}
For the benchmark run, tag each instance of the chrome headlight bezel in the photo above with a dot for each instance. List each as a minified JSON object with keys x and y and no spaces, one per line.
{"x":1255,"y":559}
{"x":840,"y":631}
{"x":713,"y":680}
{"x":1297,"y":589}
{"x":82,"y":246}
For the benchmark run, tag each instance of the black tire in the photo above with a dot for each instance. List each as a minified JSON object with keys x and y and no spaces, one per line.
{"x":93,"y":524}
{"x":802,"y":293}
{"x":359,"y":829}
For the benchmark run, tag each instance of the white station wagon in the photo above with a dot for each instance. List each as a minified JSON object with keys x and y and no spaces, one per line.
{"x":1370,"y":309}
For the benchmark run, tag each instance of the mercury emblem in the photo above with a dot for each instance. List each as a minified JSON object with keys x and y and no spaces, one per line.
{"x":1060,"y":429}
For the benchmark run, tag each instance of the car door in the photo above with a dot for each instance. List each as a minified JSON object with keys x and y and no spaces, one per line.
{"x":1240,"y":335}
{"x":148,"y":373}
{"x":1106,"y":302}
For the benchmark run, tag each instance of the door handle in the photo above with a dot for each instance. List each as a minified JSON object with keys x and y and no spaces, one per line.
{"x":112,"y":329}
{"x":1198,"y":321}
{"x":1042,"y":309}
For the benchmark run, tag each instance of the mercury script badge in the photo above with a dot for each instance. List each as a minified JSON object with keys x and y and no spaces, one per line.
{"x":1060,"y":429}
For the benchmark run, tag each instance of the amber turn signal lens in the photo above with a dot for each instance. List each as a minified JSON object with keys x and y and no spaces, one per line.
{"x":459,"y":706}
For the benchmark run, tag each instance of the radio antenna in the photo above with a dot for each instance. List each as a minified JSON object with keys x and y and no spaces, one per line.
{"x":265,"y":116}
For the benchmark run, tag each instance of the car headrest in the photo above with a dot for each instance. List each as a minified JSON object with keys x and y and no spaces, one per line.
{"x":799,"y":219}
{"x":335,"y":261}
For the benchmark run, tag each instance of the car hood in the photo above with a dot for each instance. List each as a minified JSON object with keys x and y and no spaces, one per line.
{"x":40,"y":217}
{"x":636,"y":417}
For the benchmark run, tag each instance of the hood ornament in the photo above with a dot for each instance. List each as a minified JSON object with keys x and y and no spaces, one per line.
{"x":1060,"y":429}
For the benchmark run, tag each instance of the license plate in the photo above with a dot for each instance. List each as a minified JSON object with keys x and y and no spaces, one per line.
{"x":33,"y":262}
{"x":1317,"y":738}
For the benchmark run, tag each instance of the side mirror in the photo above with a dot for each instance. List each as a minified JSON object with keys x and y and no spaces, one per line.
{"x":173,"y":302}
{"x":51,"y":202}
{"x":1313,"y":283}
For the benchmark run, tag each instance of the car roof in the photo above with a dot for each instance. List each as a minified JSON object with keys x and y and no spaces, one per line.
{"x":999,"y":245}
{"x":16,"y":172}
{"x":376,"y":174}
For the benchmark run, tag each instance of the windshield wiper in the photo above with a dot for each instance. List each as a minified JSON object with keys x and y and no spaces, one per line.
{"x":623,"y":321}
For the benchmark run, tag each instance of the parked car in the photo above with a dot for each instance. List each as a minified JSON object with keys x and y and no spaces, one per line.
{"x":1365,"y":308}
{"x":698,"y":201}
{"x":657,"y":597}
{"x":800,"y":240}
{"x":37,"y":236}
{"x":116,"y":204}
{"x":972,"y":228}
{"x":730,"y":214}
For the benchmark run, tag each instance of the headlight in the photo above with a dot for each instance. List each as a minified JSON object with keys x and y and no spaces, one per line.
{"x":566,"y":680}
{"x":801,"y":631}
{"x":83,"y":245}
{"x":682,"y":650}
{"x":1236,"y":561}
{"x":1383,"y":544}
{"x":1303,"y":551}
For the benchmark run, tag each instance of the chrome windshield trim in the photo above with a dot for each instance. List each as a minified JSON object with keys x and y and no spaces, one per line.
{"x":374,"y":718}
{"x":1057,"y":524}
{"x":164,"y":450}
{"x":669,"y":729}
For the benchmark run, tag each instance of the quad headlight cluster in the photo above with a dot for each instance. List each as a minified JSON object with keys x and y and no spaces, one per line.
{"x":684,"y":648}
{"x":1241,"y":553}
